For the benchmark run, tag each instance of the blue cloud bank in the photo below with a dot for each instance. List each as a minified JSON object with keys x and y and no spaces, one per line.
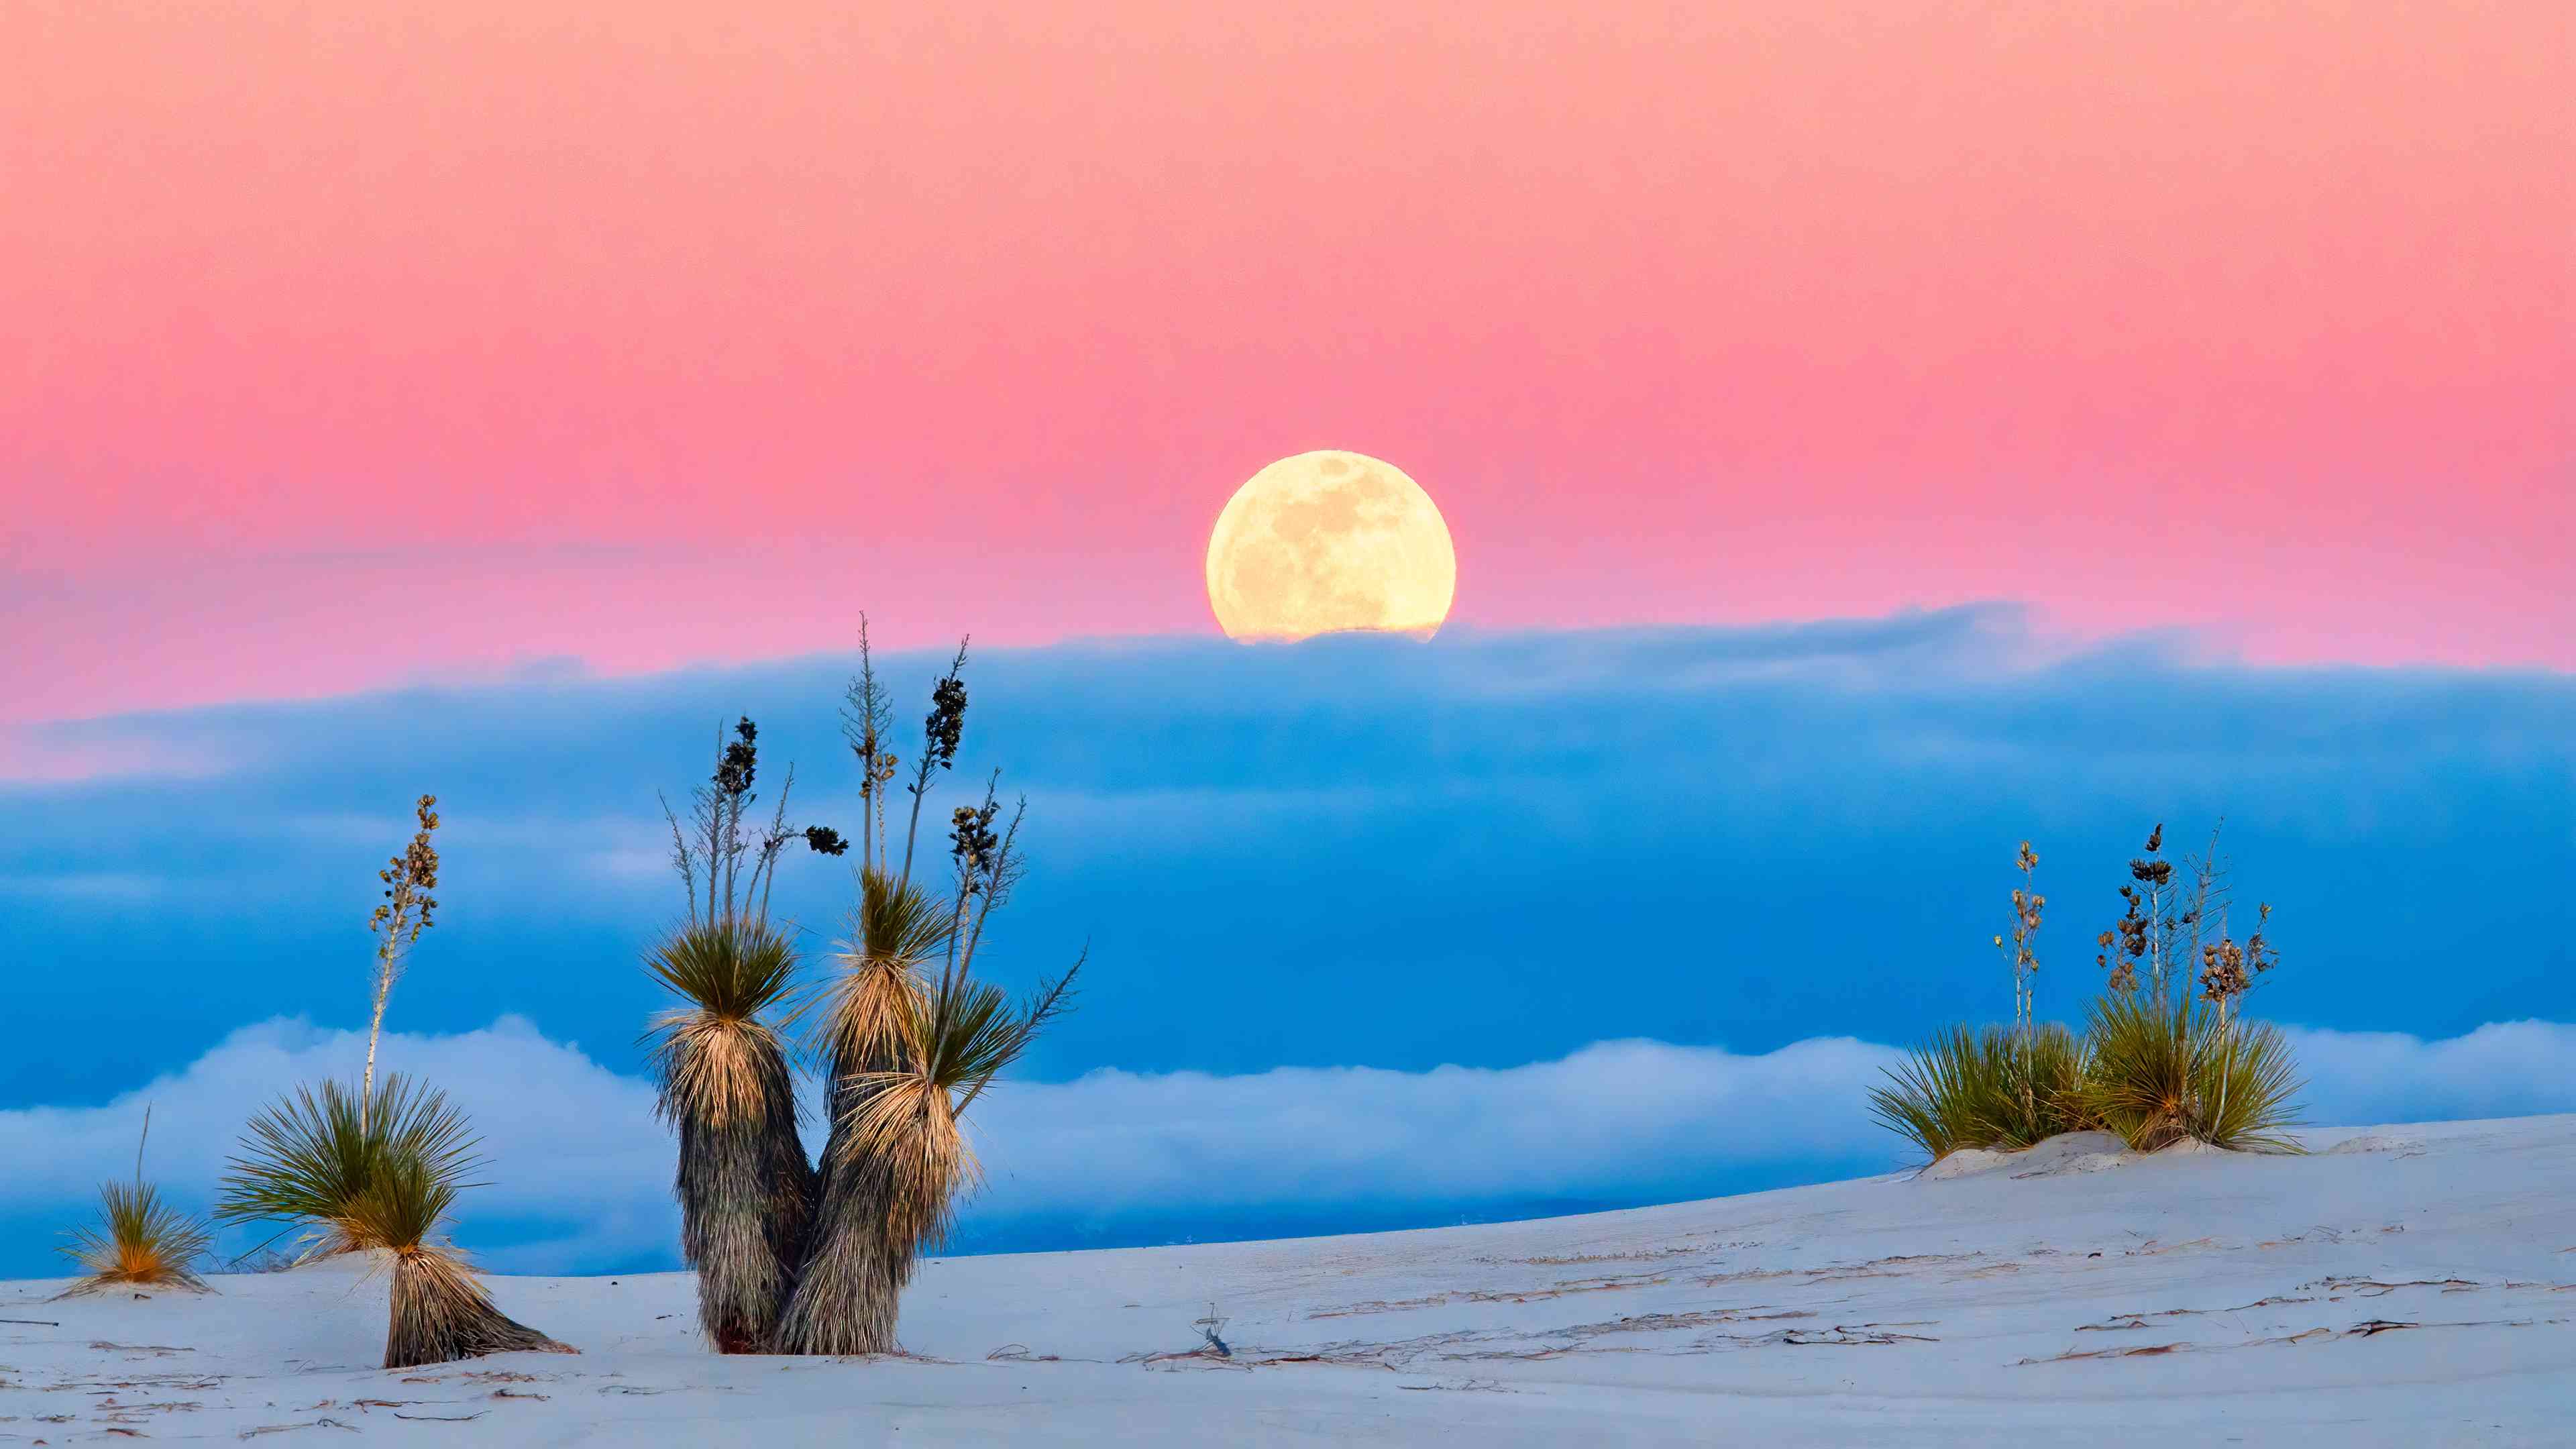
{"x":1483,"y":853}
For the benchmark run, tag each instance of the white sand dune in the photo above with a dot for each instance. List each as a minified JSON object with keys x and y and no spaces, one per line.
{"x":2405,"y":1286}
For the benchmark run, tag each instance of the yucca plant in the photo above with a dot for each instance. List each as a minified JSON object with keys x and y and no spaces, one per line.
{"x":379,"y":1171}
{"x":1996,"y":1087}
{"x":2043,"y":1087}
{"x":408,"y":909}
{"x":309,"y":1158}
{"x":860,"y":1021}
{"x":906,"y":1126}
{"x":900,"y":1159}
{"x":2166,"y":1068}
{"x":438,"y":1312}
{"x":1993,"y":1088}
{"x":141,"y":1239}
{"x":908,"y":1039}
{"x":745,"y":1188}
{"x":1934,"y":1098}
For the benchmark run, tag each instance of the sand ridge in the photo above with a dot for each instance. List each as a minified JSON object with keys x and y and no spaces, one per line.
{"x":2401,"y":1286}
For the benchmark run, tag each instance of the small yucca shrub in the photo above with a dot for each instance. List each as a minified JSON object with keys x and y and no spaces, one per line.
{"x":379,"y":1171}
{"x":140,"y":1240}
{"x":309,"y":1159}
{"x":2166,"y":1069}
{"x":1932,"y":1097}
{"x":2038,"y":1086}
{"x":1994,"y":1088}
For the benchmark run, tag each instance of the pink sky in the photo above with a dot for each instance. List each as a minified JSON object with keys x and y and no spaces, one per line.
{"x":342,"y":344}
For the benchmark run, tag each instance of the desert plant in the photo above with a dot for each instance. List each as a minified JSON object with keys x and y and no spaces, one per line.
{"x":2166,"y":1068}
{"x":1992,"y":1087}
{"x":845,"y":1298}
{"x":745,"y":1188}
{"x":1933,"y":1097}
{"x":310,"y":1158}
{"x":716,"y":854}
{"x":847,"y":1290}
{"x":909,"y":1039}
{"x":2028,"y":906}
{"x":867,"y":723}
{"x":141,"y":1239}
{"x":1997,"y":1088}
{"x":438,"y":1311}
{"x":2154,"y":1065}
{"x":2140,"y":938}
{"x":381,"y":1173}
{"x":407,"y":909}
{"x":2037,"y":1075}
{"x":2228,"y":968}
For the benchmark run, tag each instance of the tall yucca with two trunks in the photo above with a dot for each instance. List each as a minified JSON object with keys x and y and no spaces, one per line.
{"x":745,"y":1188}
{"x":791,"y":1258}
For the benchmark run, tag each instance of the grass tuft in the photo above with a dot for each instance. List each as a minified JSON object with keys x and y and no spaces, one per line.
{"x":1990,"y":1088}
{"x":141,"y":1241}
{"x":2174,"y":1069}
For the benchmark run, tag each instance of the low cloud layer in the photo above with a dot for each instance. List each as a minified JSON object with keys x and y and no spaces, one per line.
{"x":1357,"y":850}
{"x":580,"y":1169}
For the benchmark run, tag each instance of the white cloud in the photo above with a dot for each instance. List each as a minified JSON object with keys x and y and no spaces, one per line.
{"x":2502,"y":1069}
{"x":580,"y":1168}
{"x":569,"y":1140}
{"x":1616,"y":1117}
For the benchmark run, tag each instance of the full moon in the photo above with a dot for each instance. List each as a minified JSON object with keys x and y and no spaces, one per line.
{"x":1330,"y":541}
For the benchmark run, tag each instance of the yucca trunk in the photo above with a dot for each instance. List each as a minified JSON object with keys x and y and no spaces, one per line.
{"x":440,"y":1314}
{"x":746,"y":1192}
{"x":746,"y":1202}
{"x":852,"y":1274}
{"x":855,"y":1271}
{"x":888,"y":1188}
